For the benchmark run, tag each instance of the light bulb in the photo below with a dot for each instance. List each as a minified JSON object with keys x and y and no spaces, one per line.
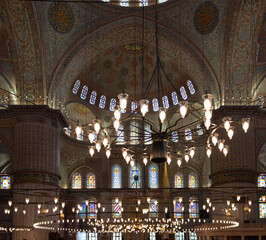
{"x":186,"y":157}
{"x":225,"y":150}
{"x":144,"y":106}
{"x":105,"y":142}
{"x":137,"y":209}
{"x":204,"y":207}
{"x":99,"y":205}
{"x":116,"y":200}
{"x":169,"y":160}
{"x":228,"y":202}
{"x":207,"y":101}
{"x":179,"y":162}
{"x":91,"y":137}
{"x":208,"y":114}
{"x":230,"y":132}
{"x":226,"y":121}
{"x":148,"y":199}
{"x":78,"y":130}
{"x":238,"y":197}
{"x":208,"y":200}
{"x":55,"y":200}
{"x":97,"y":125}
{"x":116,"y":124}
{"x":183,"y":108}
{"x":73,"y":209}
{"x":108,"y":152}
{"x":39,"y":206}
{"x":103,"y":209}
{"x":145,"y":161}
{"x":215,"y":138}
{"x":123,"y":100}
{"x":132,"y":163}
{"x":27,"y":200}
{"x":98,"y":146}
{"x":91,"y":151}
{"x":208,"y":151}
{"x":221,"y":144}
{"x":245,"y":124}
{"x":24,"y":212}
{"x":207,"y":123}
{"x":128,"y":158}
{"x":249,"y":202}
{"x":166,"y":210}
{"x":213,"y":208}
{"x":9,"y":203}
{"x":124,"y":153}
{"x":63,"y":204}
{"x":180,"y":199}
{"x":86,"y":202}
{"x":162,"y":114}
{"x":15,"y":209}
{"x":192,"y":152}
{"x":139,"y":202}
{"x":117,"y":114}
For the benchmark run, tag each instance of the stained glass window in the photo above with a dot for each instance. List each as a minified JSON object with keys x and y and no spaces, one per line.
{"x":76,"y":87}
{"x":120,"y":135}
{"x":262,"y":207}
{"x":80,"y":136}
{"x":178,"y":208}
{"x":155,"y":105}
{"x":190,"y":87}
{"x":174,"y":98}
{"x":93,"y":236}
{"x":5,"y":181}
{"x":135,"y":182}
{"x":152,"y":236}
{"x":116,"y":208}
{"x":82,"y":211}
{"x":134,"y":106}
{"x":116,"y":176}
{"x":147,"y":134}
{"x":112,"y":104}
{"x":262,"y":180}
{"x":165,"y":102}
{"x":76,"y":181}
{"x":200,"y":130}
{"x":117,"y":236}
{"x":153,"y":177}
{"x":179,"y":236}
{"x":84,"y":92}
{"x":153,"y":206}
{"x":124,"y":3}
{"x":192,"y":180}
{"x":193,"y":207}
{"x":188,"y":134}
{"x":92,"y":208}
{"x":174,"y":136}
{"x":183,"y":93}
{"x":192,"y":236}
{"x":143,"y":3}
{"x":93,"y":98}
{"x":102,"y":101}
{"x":91,"y":180}
{"x":179,"y":183}
{"x":81,"y":236}
{"x":134,"y":132}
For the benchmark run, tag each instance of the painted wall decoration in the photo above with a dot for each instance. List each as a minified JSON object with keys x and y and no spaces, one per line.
{"x":206,"y":18}
{"x":61,"y":16}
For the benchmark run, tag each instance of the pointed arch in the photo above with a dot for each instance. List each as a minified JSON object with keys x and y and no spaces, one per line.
{"x":183,"y":93}
{"x":190,"y":87}
{"x":155,"y":105}
{"x":93,"y":98}
{"x":262,"y":207}
{"x":179,"y":180}
{"x":102,"y":101}
{"x":133,"y":172}
{"x":153,"y":176}
{"x":193,"y":207}
{"x":76,"y":181}
{"x":116,"y":176}
{"x":91,"y":180}
{"x":76,"y":87}
{"x":84,"y":92}
{"x":192,"y":180}
{"x":178,"y":208}
{"x":262,"y":180}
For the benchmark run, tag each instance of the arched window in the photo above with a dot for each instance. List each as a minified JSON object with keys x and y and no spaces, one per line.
{"x":116,"y":176}
{"x":112,"y":104}
{"x":133,"y":172}
{"x":262,"y":180}
{"x":117,"y":236}
{"x":5,"y":181}
{"x":92,"y":206}
{"x":174,"y":98}
{"x":153,"y":206}
{"x":91,"y":180}
{"x":84,"y":92}
{"x":76,"y":87}
{"x":143,"y":3}
{"x":116,"y":208}
{"x":190,"y":87}
{"x":200,"y":130}
{"x":179,"y":236}
{"x":134,"y":106}
{"x":93,"y":98}
{"x":85,"y":236}
{"x":179,"y":183}
{"x":102,"y":101}
{"x":165,"y":102}
{"x":124,"y":3}
{"x":153,"y":176}
{"x":134,"y":132}
{"x":183,"y":93}
{"x":174,"y":136}
{"x":193,"y":207}
{"x":76,"y":181}
{"x":192,"y":180}
{"x":120,"y":135}
{"x":178,"y":208}
{"x":262,"y":207}
{"x":155,"y":105}
{"x":82,"y":211}
{"x":188,"y":134}
{"x":152,"y":236}
{"x":147,"y":134}
{"x":80,"y":136}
